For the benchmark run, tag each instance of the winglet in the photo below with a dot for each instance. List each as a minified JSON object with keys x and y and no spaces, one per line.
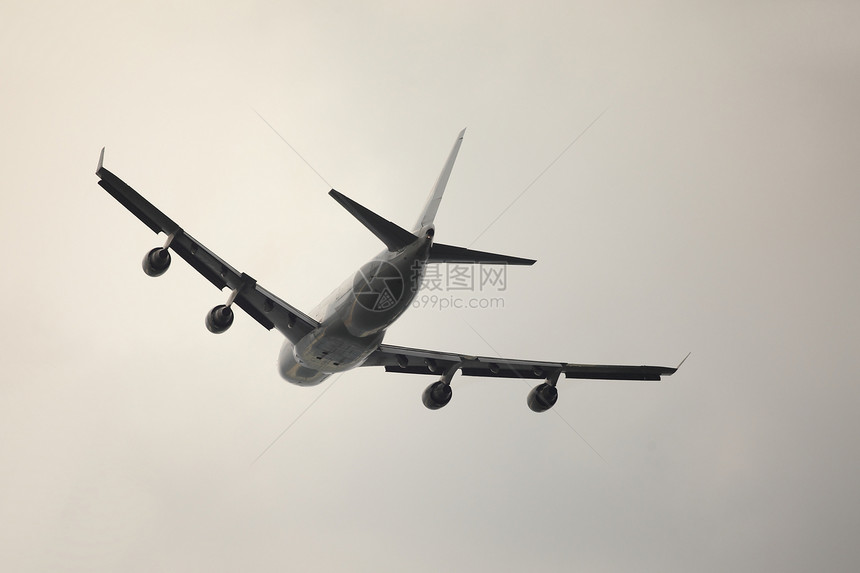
{"x":101,"y":160}
{"x":684,"y":360}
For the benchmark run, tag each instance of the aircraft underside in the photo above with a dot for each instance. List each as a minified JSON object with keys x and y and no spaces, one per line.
{"x":347,"y":331}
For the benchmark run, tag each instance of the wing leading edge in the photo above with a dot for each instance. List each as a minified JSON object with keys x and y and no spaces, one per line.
{"x":263,"y":306}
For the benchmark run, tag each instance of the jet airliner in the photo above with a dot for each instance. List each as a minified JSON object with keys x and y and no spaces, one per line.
{"x":347,"y":328}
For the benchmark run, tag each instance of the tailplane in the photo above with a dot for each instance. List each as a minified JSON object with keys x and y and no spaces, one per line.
{"x":394,"y":236}
{"x":440,"y":253}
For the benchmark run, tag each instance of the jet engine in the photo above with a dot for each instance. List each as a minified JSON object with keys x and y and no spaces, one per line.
{"x":542,"y":397}
{"x":437,"y":395}
{"x":219,"y":319}
{"x":156,"y":262}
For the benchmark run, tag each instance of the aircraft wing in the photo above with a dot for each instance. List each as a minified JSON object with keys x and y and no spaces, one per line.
{"x":264,"y":307}
{"x":418,"y":361}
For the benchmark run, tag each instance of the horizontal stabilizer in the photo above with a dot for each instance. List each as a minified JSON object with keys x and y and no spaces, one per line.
{"x":440,"y":253}
{"x":394,"y":236}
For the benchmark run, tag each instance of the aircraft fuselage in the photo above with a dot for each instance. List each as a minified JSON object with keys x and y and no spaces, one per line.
{"x":354,"y":317}
{"x":347,"y":328}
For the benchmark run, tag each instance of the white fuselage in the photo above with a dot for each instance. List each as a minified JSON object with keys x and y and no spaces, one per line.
{"x":354,"y":317}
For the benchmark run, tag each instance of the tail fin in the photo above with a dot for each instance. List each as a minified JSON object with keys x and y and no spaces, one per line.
{"x":394,"y":236}
{"x":429,"y":213}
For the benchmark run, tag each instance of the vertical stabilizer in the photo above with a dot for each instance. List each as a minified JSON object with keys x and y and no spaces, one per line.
{"x":432,"y":206}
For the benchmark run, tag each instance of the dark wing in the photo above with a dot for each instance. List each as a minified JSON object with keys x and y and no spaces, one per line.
{"x":263,"y":306}
{"x":418,"y":361}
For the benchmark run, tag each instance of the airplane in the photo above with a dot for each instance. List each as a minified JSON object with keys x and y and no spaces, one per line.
{"x":346,"y":329}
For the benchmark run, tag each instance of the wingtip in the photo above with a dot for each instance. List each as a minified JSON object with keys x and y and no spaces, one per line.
{"x":684,"y":360}
{"x":101,"y":160}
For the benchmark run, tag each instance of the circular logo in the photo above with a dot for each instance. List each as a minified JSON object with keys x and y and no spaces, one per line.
{"x":378,"y":286}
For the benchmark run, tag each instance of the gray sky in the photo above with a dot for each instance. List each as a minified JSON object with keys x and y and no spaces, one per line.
{"x":713,"y":208}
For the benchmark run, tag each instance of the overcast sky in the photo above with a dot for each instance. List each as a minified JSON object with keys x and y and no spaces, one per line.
{"x":712,"y":207}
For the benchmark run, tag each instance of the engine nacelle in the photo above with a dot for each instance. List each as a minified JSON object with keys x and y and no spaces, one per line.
{"x":542,"y":397}
{"x":219,"y":319}
{"x":437,"y":395}
{"x":156,"y":262}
